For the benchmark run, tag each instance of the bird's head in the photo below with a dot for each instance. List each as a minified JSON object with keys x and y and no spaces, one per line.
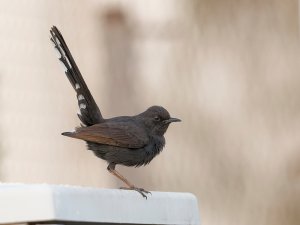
{"x":157,"y":120}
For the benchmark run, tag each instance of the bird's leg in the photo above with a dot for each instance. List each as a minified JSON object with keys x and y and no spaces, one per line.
{"x":118,"y":175}
{"x":111,"y":169}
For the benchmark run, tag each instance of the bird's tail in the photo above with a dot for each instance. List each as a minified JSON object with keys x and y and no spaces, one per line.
{"x":89,"y":112}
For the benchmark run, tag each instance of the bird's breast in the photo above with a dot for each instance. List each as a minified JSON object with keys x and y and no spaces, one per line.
{"x":154,"y":147}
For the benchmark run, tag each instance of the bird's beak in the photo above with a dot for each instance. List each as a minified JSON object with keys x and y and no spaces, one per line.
{"x":171,"y":120}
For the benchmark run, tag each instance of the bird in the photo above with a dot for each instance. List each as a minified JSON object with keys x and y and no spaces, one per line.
{"x":131,"y":141}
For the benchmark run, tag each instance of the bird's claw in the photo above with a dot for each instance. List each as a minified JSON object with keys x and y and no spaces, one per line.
{"x":142,"y":191}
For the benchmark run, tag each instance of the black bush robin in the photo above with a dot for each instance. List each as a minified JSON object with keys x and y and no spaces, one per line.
{"x":125,"y":140}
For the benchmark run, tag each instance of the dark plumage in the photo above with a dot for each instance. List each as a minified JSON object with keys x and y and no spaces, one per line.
{"x":126,"y":140}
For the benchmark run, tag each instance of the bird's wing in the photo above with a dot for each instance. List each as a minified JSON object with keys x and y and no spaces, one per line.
{"x":122,"y":134}
{"x":89,"y":113}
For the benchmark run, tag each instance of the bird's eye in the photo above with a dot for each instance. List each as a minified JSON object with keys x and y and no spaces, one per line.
{"x":157,"y":118}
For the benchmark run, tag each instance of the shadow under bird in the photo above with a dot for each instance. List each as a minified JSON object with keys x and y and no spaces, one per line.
{"x":125,"y":140}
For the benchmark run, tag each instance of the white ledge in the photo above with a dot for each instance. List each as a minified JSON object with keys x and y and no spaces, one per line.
{"x":61,"y":203}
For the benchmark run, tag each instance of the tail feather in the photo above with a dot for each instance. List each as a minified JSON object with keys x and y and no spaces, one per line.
{"x":69,"y":134}
{"x":89,"y":113}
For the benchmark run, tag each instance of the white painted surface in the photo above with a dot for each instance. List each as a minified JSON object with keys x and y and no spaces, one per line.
{"x":42,"y":202}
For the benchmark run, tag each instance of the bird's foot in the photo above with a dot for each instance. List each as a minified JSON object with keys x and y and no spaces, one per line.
{"x":142,"y":191}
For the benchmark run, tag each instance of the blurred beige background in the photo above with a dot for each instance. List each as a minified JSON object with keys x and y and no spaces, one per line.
{"x":229,"y":69}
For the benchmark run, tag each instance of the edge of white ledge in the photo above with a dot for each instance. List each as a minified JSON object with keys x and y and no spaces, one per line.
{"x":44,"y":202}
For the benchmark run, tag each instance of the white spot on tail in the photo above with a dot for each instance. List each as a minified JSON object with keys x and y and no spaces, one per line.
{"x":57,"y":52}
{"x":52,"y":41}
{"x":64,"y":66}
{"x":80,"y":97}
{"x":69,"y":63}
{"x":56,"y":39}
{"x":77,"y":86}
{"x":82,"y":106}
{"x":79,"y":113}
{"x":62,"y":52}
